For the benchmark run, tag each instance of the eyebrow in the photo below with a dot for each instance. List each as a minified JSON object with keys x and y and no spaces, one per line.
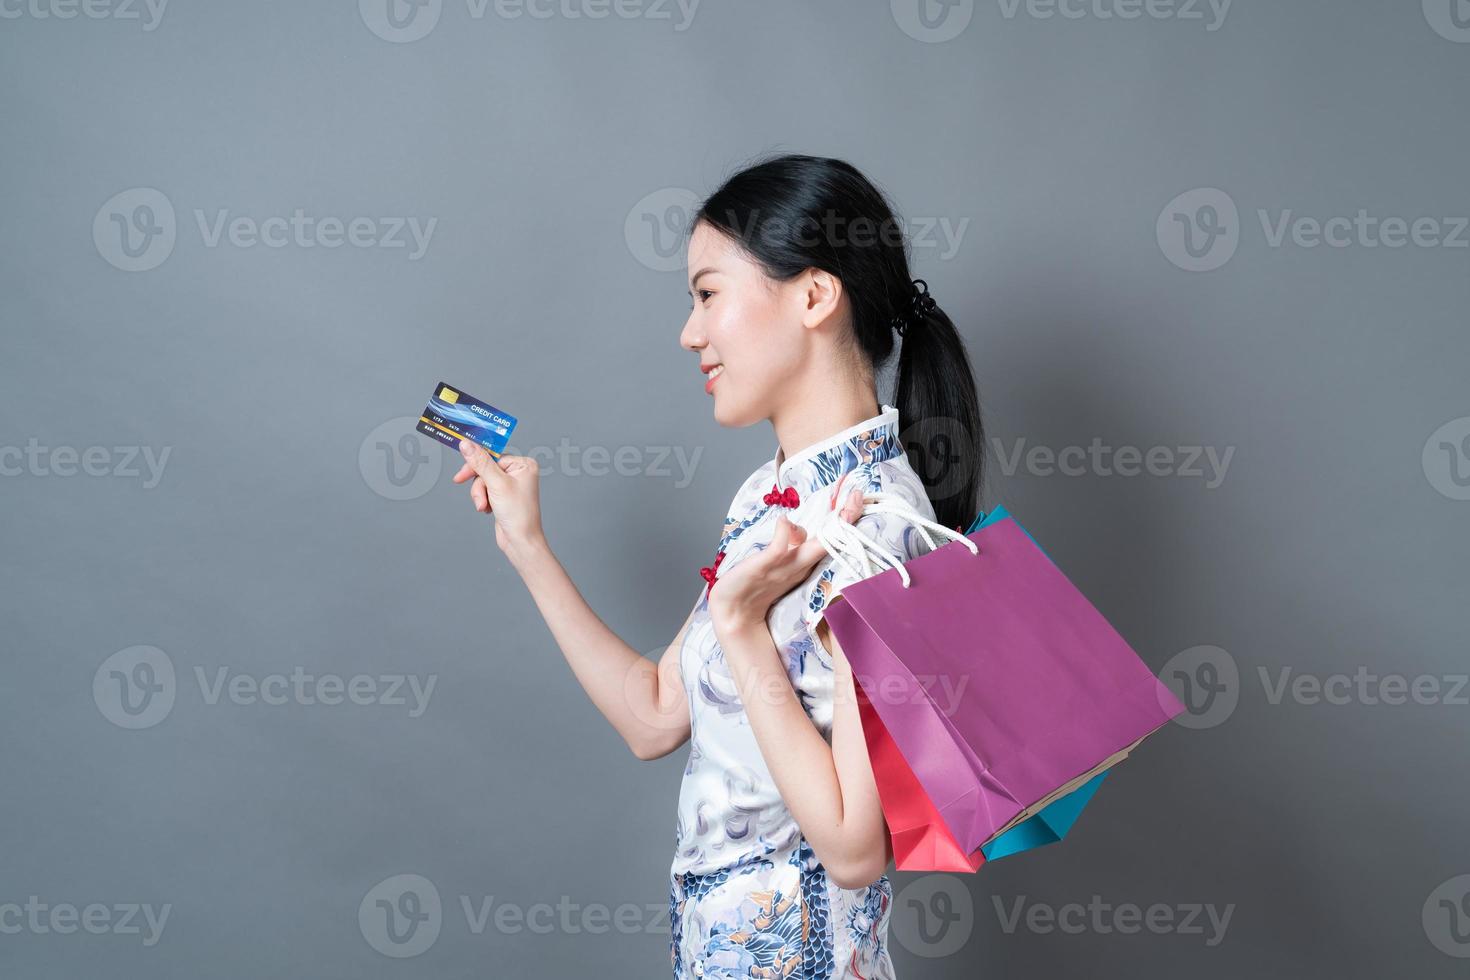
{"x":693,"y":282}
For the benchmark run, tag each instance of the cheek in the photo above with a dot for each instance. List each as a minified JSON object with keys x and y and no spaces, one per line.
{"x":749,"y":356}
{"x":746,"y":334}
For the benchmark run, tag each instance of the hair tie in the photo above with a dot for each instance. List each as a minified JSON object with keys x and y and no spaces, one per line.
{"x":920,"y":306}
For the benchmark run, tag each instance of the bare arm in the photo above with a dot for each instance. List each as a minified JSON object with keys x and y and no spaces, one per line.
{"x":829,"y":790}
{"x":642,"y":700}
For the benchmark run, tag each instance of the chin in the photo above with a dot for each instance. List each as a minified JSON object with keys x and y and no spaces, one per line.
{"x":735,"y":417}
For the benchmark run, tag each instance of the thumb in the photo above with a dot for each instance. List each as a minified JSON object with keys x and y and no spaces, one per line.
{"x":479,"y":458}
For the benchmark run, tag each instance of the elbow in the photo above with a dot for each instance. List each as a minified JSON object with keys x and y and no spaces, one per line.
{"x":858,"y":872}
{"x":644,"y":751}
{"x":648,"y":749}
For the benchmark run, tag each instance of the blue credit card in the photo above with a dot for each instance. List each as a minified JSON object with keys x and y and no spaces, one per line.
{"x":453,"y":415}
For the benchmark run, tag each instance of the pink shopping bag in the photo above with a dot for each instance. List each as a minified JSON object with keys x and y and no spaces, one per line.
{"x":1052,"y":693}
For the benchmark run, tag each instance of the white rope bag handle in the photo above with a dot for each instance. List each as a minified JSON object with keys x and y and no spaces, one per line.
{"x":851,"y":546}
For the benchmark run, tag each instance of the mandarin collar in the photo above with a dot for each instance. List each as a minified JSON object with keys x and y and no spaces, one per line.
{"x":868,"y":441}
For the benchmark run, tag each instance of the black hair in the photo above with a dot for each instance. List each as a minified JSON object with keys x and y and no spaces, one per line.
{"x":795,"y":212}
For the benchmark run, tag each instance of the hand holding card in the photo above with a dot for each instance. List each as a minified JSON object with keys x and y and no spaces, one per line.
{"x":509,"y":488}
{"x":503,"y":485}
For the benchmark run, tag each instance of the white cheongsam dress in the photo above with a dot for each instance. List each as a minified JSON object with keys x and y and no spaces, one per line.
{"x":747,"y":896}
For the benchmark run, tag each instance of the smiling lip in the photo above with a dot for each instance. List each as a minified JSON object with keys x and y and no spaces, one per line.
{"x":710,"y":384}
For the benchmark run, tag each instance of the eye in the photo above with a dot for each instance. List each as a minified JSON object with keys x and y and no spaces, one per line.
{"x":702,"y":293}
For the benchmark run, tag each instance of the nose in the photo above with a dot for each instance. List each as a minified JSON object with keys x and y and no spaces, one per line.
{"x":691,"y":337}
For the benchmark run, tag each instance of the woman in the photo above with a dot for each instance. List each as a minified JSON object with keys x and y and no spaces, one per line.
{"x":801,"y":292}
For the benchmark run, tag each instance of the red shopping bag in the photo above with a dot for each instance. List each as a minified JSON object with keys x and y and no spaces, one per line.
{"x":916,"y":831}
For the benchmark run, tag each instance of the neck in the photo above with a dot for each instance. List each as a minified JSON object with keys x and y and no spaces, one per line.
{"x":819,"y":412}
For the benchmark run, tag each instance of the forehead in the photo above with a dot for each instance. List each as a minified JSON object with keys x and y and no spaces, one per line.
{"x":711,"y":249}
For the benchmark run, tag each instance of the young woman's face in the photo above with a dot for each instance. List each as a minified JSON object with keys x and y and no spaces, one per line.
{"x":747,"y":325}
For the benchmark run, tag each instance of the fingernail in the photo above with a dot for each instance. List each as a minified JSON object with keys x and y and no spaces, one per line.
{"x":464,"y":447}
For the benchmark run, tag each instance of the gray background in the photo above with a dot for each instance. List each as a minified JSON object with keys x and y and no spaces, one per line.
{"x":273,"y":543}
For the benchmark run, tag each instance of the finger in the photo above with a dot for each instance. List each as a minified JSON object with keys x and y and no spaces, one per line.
{"x":466,"y":471}
{"x":479,"y":458}
{"x":480,"y":496}
{"x":780,"y":535}
{"x":809,"y":553}
{"x":852,"y":509}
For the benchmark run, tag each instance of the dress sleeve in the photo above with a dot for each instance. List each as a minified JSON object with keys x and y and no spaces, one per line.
{"x":893,"y":533}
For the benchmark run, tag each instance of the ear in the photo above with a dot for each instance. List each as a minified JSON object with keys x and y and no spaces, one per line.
{"x":821,"y":294}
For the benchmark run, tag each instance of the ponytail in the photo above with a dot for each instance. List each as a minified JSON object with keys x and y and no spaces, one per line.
{"x":936,"y":398}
